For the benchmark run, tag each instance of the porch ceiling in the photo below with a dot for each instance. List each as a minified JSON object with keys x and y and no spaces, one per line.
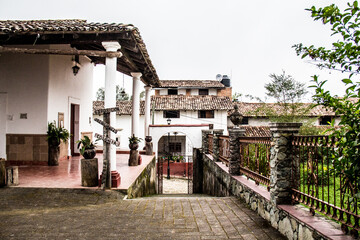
{"x":82,"y":35}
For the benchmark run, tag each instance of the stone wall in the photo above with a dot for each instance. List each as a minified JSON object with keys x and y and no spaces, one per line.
{"x":22,"y":149}
{"x":145,"y":184}
{"x":292,"y":221}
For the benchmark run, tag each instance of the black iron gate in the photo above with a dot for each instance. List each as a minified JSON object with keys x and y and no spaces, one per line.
{"x":187,"y":173}
{"x":160,"y":163}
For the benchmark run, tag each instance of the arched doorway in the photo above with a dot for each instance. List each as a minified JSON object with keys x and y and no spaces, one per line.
{"x":174,"y":163}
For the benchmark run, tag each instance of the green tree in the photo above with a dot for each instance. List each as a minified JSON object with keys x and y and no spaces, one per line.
{"x":343,"y":56}
{"x":121,"y":95}
{"x":287,"y":94}
{"x":235,"y":97}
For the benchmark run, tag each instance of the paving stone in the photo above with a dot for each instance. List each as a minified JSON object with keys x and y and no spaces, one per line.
{"x":79,"y":214}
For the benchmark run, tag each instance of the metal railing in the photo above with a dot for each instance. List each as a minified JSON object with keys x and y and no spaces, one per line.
{"x":224,"y":149}
{"x":255,"y":158}
{"x":210,"y":142}
{"x":319,"y":185}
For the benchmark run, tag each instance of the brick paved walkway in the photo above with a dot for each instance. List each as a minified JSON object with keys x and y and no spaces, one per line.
{"x":86,"y":214}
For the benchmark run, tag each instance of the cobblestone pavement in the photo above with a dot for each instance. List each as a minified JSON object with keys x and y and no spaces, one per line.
{"x":83,"y":214}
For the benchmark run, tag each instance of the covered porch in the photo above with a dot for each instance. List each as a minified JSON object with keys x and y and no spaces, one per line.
{"x":68,"y":175}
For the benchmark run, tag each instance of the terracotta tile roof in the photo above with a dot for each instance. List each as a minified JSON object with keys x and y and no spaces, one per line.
{"x":175,"y":102}
{"x":257,"y":131}
{"x":65,"y":25}
{"x":84,"y":35}
{"x":191,"y":84}
{"x":249,"y":109}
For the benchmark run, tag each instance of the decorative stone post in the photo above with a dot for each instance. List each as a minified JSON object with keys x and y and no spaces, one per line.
{"x":148,"y":145}
{"x":205,"y":142}
{"x":281,"y":160}
{"x":216,"y":150}
{"x":234,"y":135}
{"x":234,"y":161}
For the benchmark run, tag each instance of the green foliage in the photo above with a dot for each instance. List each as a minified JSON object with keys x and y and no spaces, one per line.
{"x":134,"y":139}
{"x":55,"y":134}
{"x":287,"y":93}
{"x":235,"y":97}
{"x":121,"y":95}
{"x":84,"y":144}
{"x":344,"y":56}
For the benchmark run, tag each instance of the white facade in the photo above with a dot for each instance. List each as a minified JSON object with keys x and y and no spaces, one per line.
{"x":40,"y":87}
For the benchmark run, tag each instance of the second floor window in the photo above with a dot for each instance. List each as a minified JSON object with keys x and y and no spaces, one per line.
{"x":172,"y":92}
{"x":206,"y":114}
{"x":171,"y":114}
{"x":203,"y":91}
{"x":326,"y":120}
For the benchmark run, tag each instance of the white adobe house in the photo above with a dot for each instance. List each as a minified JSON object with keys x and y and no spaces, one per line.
{"x":180,"y":109}
{"x":46,"y":74}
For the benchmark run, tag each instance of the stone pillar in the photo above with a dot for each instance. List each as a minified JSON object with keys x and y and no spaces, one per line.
{"x":216,"y":151}
{"x":205,"y":142}
{"x":281,"y":160}
{"x":234,"y":161}
{"x":110,"y":93}
{"x":12,"y":176}
{"x":89,"y":172}
{"x":135,"y":104}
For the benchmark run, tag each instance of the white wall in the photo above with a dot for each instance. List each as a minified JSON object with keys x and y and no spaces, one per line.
{"x":123,"y":122}
{"x":24,"y":77}
{"x":212,"y":91}
{"x":163,"y":91}
{"x":65,"y":88}
{"x":194,"y":92}
{"x":191,"y":117}
{"x":182,"y":91}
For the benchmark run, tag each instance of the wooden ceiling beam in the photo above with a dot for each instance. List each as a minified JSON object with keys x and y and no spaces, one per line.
{"x":92,"y":53}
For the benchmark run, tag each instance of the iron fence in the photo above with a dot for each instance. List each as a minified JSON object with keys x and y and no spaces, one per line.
{"x":321,"y":186}
{"x":255,"y":158}
{"x":224,"y":149}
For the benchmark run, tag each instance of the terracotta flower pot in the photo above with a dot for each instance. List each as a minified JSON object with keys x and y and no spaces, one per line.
{"x":133,"y":146}
{"x":89,"y":153}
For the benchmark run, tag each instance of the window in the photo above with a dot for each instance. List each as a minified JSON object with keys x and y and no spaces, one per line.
{"x":325,"y":120}
{"x":172,"y":92}
{"x":175,"y":147}
{"x":171,"y":114}
{"x":206,"y":114}
{"x":203,"y":91}
{"x":245,"y":121}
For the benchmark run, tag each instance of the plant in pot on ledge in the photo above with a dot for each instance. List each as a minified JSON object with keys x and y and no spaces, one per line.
{"x":134,"y":154}
{"x":54,"y":137}
{"x":89,"y":165}
{"x":86,"y":147}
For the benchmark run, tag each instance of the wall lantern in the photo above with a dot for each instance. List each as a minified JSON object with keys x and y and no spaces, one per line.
{"x":168,"y":121}
{"x":76,"y":65}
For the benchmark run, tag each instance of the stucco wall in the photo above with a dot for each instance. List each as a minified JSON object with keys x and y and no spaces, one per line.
{"x":25,"y":80}
{"x":65,"y":88}
{"x":123,"y":122}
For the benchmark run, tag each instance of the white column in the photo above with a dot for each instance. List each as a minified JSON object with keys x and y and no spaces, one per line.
{"x":147,"y":109}
{"x":110,"y":93}
{"x":135,"y":104}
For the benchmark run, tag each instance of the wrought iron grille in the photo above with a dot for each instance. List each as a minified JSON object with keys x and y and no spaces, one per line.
{"x":321,"y":186}
{"x":224,"y":148}
{"x":255,"y":158}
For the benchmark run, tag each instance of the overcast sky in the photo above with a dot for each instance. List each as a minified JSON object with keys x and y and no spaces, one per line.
{"x":247,"y":40}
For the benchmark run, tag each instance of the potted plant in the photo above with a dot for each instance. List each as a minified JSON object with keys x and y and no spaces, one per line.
{"x":54,"y":137}
{"x":133,"y":142}
{"x":86,"y":147}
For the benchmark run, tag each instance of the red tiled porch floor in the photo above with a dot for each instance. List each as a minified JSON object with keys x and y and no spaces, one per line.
{"x":68,"y":173}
